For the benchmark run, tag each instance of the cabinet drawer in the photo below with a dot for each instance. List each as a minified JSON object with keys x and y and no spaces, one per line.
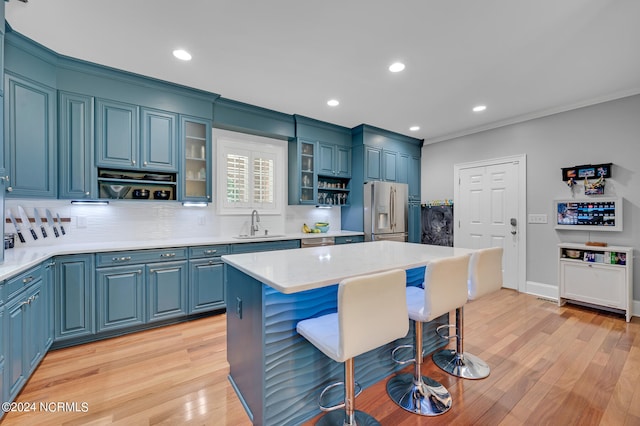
{"x":22,"y":281}
{"x":597,"y":284}
{"x":139,"y":256}
{"x":265,"y":246}
{"x":349,"y":240}
{"x":208,"y":251}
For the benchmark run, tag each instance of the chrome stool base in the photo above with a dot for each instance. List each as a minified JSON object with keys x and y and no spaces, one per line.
{"x":427,"y":397}
{"x":339,"y":418}
{"x":467,"y":366}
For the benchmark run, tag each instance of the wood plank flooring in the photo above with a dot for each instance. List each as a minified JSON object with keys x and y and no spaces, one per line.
{"x":550,"y":366}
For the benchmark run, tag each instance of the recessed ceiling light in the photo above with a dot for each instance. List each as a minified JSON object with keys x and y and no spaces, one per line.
{"x":333,"y":102}
{"x":414,"y":128}
{"x":182,"y":54}
{"x":396,"y":67}
{"x":479,"y":108}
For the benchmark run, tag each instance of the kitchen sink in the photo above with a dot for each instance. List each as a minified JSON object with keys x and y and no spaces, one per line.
{"x":252,"y":237}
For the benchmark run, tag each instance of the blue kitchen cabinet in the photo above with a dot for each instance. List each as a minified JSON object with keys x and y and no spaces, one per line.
{"x":349,"y":240}
{"x":117,"y":139}
{"x":264,"y":246}
{"x":206,"y":278}
{"x":48,"y":282}
{"x":159,"y":147}
{"x":414,"y":179}
{"x":166,"y":290}
{"x":196,"y":172}
{"x":302,"y":172}
{"x":77,"y":177}
{"x":372,"y":163}
{"x":24,"y":329}
{"x":334,"y":160}
{"x":30,"y":150}
{"x":74,"y":298}
{"x":3,"y":393}
{"x":414,"y":227}
{"x":120,"y":297}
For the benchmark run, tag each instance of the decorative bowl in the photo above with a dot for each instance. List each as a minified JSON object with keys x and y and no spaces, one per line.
{"x":117,"y":191}
{"x":140,"y":194}
{"x":322,"y":226}
{"x":161,"y":195}
{"x":573,"y":254}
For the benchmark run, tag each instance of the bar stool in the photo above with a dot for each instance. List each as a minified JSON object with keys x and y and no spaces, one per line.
{"x":485,"y":276}
{"x":371,"y":312}
{"x":445,"y":288}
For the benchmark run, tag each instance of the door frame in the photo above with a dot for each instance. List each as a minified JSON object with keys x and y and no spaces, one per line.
{"x":522,"y":206}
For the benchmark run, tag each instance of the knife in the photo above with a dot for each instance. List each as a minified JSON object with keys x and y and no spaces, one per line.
{"x":60,"y":223}
{"x":27,"y":222}
{"x":39,"y":224}
{"x":52,"y":223}
{"x":15,"y":225}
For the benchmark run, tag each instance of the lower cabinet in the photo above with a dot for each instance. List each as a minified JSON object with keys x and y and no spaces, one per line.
{"x":166,"y":290}
{"x":414,"y":227}
{"x":74,"y":298}
{"x":25,"y":329}
{"x":206,"y":285}
{"x":349,"y":240}
{"x":120,"y":296}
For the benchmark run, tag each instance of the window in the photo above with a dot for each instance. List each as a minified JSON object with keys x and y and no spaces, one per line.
{"x":250,"y":173}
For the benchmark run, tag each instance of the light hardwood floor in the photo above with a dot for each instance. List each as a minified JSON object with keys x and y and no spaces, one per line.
{"x":550,"y":365}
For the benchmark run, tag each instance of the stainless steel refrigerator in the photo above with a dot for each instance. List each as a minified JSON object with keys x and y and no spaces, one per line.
{"x":385,"y":211}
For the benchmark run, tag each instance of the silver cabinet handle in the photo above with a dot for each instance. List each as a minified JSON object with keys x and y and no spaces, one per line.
{"x":122,"y":259}
{"x":139,"y":271}
{"x":348,"y":241}
{"x":87,"y":193}
{"x":210,"y":251}
{"x":167,"y":255}
{"x":144,"y":164}
{"x":27,"y":280}
{"x":50,"y":265}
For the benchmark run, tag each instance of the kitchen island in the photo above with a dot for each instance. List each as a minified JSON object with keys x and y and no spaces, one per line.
{"x":276,"y":373}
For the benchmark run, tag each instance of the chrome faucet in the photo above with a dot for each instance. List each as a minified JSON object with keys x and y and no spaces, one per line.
{"x":255,"y":219}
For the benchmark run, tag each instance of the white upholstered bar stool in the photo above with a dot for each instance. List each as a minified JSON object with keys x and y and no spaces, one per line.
{"x":445,"y":289}
{"x":485,"y":276}
{"x":371,"y":312}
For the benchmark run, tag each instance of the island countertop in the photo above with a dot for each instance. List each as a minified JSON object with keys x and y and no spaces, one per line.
{"x":296,"y":270}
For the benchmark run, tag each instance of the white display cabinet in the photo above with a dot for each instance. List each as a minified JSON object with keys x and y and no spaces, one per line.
{"x":594,"y":275}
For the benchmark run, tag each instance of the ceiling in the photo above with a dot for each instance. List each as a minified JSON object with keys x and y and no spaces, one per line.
{"x":522,"y":59}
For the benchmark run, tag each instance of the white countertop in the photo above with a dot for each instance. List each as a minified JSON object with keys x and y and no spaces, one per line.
{"x":292,"y":271}
{"x":19,"y":259}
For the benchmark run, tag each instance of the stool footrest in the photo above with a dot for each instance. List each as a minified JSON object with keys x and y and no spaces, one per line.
{"x":447,"y":326}
{"x":398,"y":361}
{"x":340,"y":405}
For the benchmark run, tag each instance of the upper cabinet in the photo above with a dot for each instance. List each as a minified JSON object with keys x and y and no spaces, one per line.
{"x":29,"y":135}
{"x":196,"y":170}
{"x":319,"y":163}
{"x":119,"y":145}
{"x":75,"y":144}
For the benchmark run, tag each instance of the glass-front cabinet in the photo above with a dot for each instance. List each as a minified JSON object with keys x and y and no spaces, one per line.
{"x":307,"y":177}
{"x":196,"y":179}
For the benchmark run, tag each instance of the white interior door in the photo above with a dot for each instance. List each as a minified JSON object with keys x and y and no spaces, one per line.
{"x":489,"y":211}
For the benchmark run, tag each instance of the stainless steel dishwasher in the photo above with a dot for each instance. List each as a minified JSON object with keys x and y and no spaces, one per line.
{"x":317,"y":242}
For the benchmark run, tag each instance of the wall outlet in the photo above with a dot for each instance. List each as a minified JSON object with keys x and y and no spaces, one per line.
{"x":81,"y":222}
{"x":537,"y":218}
{"x":201,"y":220}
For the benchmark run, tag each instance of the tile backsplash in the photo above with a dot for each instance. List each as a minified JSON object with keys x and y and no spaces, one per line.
{"x":159,"y":220}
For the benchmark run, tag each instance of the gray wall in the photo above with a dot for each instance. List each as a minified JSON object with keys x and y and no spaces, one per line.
{"x":608,"y":132}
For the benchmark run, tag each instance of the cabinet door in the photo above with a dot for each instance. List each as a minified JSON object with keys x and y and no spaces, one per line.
{"x":196,"y":172}
{"x":3,"y":391}
{"x":15,"y":355}
{"x":75,"y":128}
{"x":48,"y":282}
{"x":414,"y":179}
{"x":120,"y":296}
{"x":343,"y":161}
{"x":414,"y":226}
{"x":159,"y":140}
{"x":206,"y":285}
{"x":326,"y":159}
{"x":403,"y":168}
{"x":373,"y":162}
{"x":117,"y":141}
{"x":389,"y":166}
{"x":30,"y":142}
{"x":34,"y":327}
{"x":597,"y":284}
{"x":74,"y":297}
{"x":166,"y":290}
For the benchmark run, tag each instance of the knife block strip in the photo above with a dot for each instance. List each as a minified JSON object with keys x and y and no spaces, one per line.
{"x":43,"y":219}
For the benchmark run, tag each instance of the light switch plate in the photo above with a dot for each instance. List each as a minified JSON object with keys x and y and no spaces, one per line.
{"x":537,"y":218}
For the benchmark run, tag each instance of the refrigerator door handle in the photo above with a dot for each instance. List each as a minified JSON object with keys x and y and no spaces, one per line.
{"x":392,"y":204}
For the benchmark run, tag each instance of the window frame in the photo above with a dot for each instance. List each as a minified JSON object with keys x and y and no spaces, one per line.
{"x":229,"y":142}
